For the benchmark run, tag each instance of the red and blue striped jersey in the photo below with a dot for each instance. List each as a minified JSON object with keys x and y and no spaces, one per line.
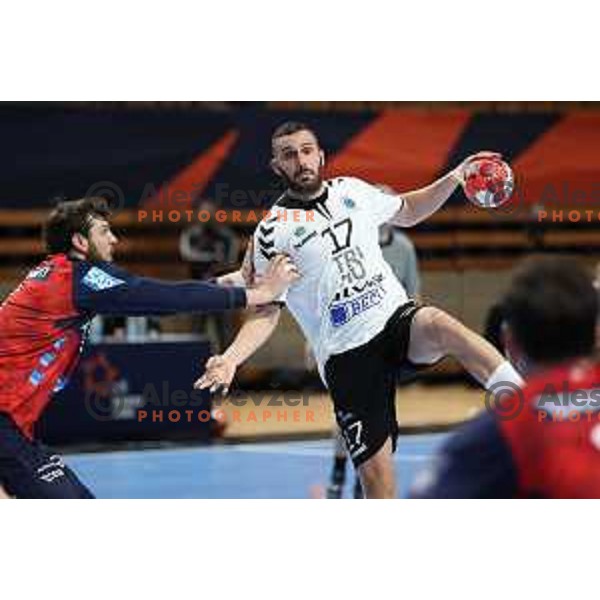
{"x":44,"y":322}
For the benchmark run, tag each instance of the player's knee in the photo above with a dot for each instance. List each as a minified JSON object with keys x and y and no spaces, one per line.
{"x":444,"y":328}
{"x":439,"y":320}
{"x":428,"y":342}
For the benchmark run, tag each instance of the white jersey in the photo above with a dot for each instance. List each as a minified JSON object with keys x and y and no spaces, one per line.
{"x":347,"y":291}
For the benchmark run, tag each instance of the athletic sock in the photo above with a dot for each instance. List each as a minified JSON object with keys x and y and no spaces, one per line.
{"x":338,"y":475}
{"x":358,"y":492}
{"x":335,"y":488}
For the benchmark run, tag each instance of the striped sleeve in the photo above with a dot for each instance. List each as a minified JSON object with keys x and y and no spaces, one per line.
{"x":267,"y":244}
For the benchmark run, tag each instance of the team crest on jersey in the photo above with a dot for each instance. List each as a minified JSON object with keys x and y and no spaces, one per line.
{"x":299,"y":231}
{"x":99,"y":280}
{"x":349,"y":203}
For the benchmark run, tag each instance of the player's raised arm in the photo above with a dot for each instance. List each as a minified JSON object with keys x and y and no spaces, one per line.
{"x":420,"y":204}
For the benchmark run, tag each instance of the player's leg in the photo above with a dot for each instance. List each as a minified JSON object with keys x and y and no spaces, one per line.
{"x":338,"y":473}
{"x":40,"y":474}
{"x":3,"y":494}
{"x":435,"y":334}
{"x":377,"y":476}
{"x":337,"y":479}
{"x":362,"y":386}
{"x":29,"y":470}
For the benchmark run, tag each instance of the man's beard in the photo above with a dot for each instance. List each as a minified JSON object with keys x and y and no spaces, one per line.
{"x":94,"y":255}
{"x":305,"y":189}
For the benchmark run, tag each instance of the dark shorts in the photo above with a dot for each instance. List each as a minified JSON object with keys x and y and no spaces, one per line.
{"x":30,"y":470}
{"x":362,"y":384}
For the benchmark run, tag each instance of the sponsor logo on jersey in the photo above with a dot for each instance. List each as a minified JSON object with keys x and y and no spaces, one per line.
{"x":40,"y":273}
{"x":99,"y":280}
{"x":348,"y":292}
{"x":340,"y":314}
{"x":307,"y":239}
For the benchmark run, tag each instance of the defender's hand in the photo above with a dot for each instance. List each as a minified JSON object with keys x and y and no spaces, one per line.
{"x":280,"y":274}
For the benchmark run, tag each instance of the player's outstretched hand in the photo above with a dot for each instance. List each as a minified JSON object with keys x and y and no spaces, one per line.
{"x":280,"y":274}
{"x":459,"y":172}
{"x":219,"y":374}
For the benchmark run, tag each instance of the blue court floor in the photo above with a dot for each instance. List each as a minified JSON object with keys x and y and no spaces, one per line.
{"x":250,"y":470}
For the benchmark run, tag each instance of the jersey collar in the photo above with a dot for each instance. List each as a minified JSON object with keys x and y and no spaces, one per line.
{"x":288,"y":201}
{"x":316,"y":204}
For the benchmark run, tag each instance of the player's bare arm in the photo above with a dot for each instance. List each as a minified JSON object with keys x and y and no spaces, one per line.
{"x":258,"y":328}
{"x":420,"y":204}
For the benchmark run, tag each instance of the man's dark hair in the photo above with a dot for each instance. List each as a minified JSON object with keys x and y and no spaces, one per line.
{"x":290,"y":127}
{"x":552,"y":309}
{"x":70,"y":217}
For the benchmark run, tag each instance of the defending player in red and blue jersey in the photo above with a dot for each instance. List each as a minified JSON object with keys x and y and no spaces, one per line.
{"x":44,"y":323}
{"x":543,"y":441}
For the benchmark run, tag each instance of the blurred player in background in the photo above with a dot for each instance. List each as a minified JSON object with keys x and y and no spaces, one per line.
{"x":44,"y":324}
{"x":543,"y":441}
{"x":356,"y":315}
{"x":209,"y":247}
{"x":399,"y":252}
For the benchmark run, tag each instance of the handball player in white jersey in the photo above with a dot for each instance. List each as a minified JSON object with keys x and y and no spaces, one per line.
{"x":353,"y":311}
